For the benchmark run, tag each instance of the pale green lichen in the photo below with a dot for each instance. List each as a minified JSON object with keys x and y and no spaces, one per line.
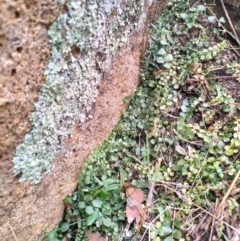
{"x":67,"y":96}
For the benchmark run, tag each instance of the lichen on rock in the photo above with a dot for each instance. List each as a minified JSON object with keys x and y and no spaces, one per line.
{"x":83,"y":40}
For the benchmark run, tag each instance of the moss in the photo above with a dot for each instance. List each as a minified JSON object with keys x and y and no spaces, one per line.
{"x":83,"y":41}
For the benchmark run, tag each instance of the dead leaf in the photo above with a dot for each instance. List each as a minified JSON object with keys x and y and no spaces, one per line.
{"x":190,"y":151}
{"x":94,"y":236}
{"x":133,"y":213}
{"x":133,"y":207}
{"x":195,"y":68}
{"x":136,"y":194}
{"x":180,"y":150}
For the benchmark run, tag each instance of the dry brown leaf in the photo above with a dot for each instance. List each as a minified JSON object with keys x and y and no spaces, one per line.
{"x":235,"y":191}
{"x":181,"y":150}
{"x":133,"y":207}
{"x":94,"y":236}
{"x":133,"y":213}
{"x":190,"y":151}
{"x":195,"y":68}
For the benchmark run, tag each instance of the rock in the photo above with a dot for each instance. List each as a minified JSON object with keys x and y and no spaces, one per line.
{"x":83,"y":114}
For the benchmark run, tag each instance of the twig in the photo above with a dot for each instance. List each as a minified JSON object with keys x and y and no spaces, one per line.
{"x":15,"y":237}
{"x":150,"y":224}
{"x":229,"y":20}
{"x":234,"y":49}
{"x":195,"y":230}
{"x":191,"y":219}
{"x":236,"y":39}
{"x":210,"y":4}
{"x":196,"y":143}
{"x":214,"y":69}
{"x":150,"y":194}
{"x":143,"y":234}
{"x":123,"y":232}
{"x":235,"y":236}
{"x":213,"y":221}
{"x":212,"y":215}
{"x":137,"y":160}
{"x":173,"y":183}
{"x":217,"y":77}
{"x":228,"y":191}
{"x":236,"y":157}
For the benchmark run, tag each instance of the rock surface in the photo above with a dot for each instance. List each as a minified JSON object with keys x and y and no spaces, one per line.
{"x":28,"y":210}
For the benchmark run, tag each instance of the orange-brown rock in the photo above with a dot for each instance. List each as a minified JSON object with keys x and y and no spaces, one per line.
{"x":28,"y":210}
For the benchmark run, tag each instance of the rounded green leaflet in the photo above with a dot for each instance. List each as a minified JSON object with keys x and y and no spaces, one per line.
{"x":64,"y":227}
{"x":97,"y":203}
{"x":89,"y":210}
{"x":91,"y":219}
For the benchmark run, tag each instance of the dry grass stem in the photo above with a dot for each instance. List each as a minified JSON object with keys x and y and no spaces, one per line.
{"x":123,"y":232}
{"x":213,"y":221}
{"x":217,"y":77}
{"x":228,"y":191}
{"x":137,"y":160}
{"x":235,"y":50}
{"x":227,"y":224}
{"x":15,"y":237}
{"x":229,"y":20}
{"x":212,"y":215}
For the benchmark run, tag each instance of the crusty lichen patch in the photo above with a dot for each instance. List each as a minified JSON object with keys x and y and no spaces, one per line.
{"x":24,"y":54}
{"x":83,"y":40}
